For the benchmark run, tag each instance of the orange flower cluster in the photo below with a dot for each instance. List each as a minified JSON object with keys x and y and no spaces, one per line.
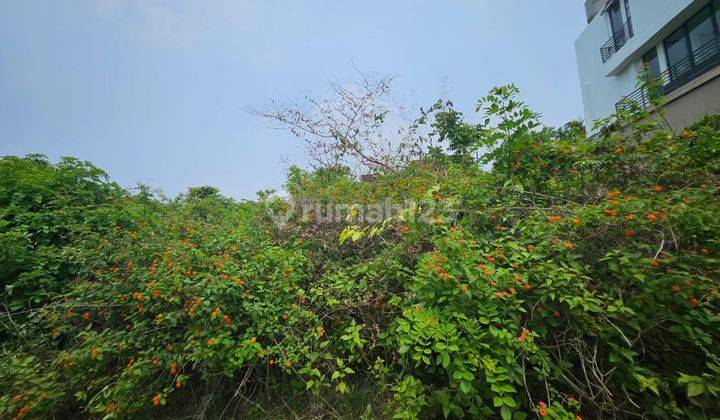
{"x":543,"y":409}
{"x":524,"y":334}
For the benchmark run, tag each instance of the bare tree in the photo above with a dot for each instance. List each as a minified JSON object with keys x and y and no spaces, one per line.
{"x":359,"y":124}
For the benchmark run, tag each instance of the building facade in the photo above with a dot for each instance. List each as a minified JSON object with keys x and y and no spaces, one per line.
{"x":677,"y":40}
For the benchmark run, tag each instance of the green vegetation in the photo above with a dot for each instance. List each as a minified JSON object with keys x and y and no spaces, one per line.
{"x":576,"y":277}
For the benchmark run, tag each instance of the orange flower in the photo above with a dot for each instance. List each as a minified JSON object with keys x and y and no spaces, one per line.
{"x":543,"y":412}
{"x":210,"y":342}
{"x":444,"y":276}
{"x":610,"y":212}
{"x":523,"y":335}
{"x":86,"y":316}
{"x":553,"y":219}
{"x":156,"y":400}
{"x":676,"y":288}
{"x":658,"y":188}
{"x":569,"y":246}
{"x":629,"y":233}
{"x":576,"y":221}
{"x":527,"y":286}
{"x":138,"y":296}
{"x":629,"y":217}
{"x":651,"y":217}
{"x":693,"y":303}
{"x":618,"y":150}
{"x":156,"y":294}
{"x":289,"y":363}
{"x":173,"y":368}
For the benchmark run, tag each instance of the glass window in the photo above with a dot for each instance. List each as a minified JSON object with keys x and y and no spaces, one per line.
{"x":615,"y":17}
{"x":650,"y":60}
{"x":716,"y":5}
{"x":701,"y":31}
{"x":676,"y":49}
{"x":616,"y":23}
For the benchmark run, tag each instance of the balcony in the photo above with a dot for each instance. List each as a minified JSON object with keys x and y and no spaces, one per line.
{"x":619,"y":38}
{"x":699,"y":62}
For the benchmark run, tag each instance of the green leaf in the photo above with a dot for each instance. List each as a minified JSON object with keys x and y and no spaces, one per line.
{"x":506,"y":413}
{"x":695,"y":389}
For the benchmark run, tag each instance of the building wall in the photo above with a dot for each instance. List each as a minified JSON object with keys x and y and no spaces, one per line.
{"x":604,"y":84}
{"x":599,"y":93}
{"x":694,"y":100}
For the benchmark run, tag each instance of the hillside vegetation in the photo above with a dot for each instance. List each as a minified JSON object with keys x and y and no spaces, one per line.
{"x":523,"y":272}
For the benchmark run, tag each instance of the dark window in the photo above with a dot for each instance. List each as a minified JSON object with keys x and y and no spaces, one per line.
{"x":616,"y":21}
{"x":676,"y":49}
{"x":650,"y":60}
{"x":716,"y":6}
{"x":620,"y":34}
{"x":701,"y":31}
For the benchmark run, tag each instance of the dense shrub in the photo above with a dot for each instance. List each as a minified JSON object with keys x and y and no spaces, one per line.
{"x":42,"y":207}
{"x":577,"y":277}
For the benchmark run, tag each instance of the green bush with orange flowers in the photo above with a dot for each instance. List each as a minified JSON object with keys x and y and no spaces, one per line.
{"x":575,"y":277}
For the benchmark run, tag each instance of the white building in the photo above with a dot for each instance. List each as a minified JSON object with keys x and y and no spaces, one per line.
{"x":679,"y":40}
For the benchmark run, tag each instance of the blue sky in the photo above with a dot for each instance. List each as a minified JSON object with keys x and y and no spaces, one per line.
{"x":156,"y":91}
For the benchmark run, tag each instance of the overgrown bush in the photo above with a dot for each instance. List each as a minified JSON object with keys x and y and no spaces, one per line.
{"x":578,"y":277}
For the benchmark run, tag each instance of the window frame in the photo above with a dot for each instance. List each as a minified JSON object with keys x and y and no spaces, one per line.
{"x":686,"y":34}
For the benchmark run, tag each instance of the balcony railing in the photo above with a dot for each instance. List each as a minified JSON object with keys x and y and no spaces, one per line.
{"x":699,"y":62}
{"x":616,"y":41}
